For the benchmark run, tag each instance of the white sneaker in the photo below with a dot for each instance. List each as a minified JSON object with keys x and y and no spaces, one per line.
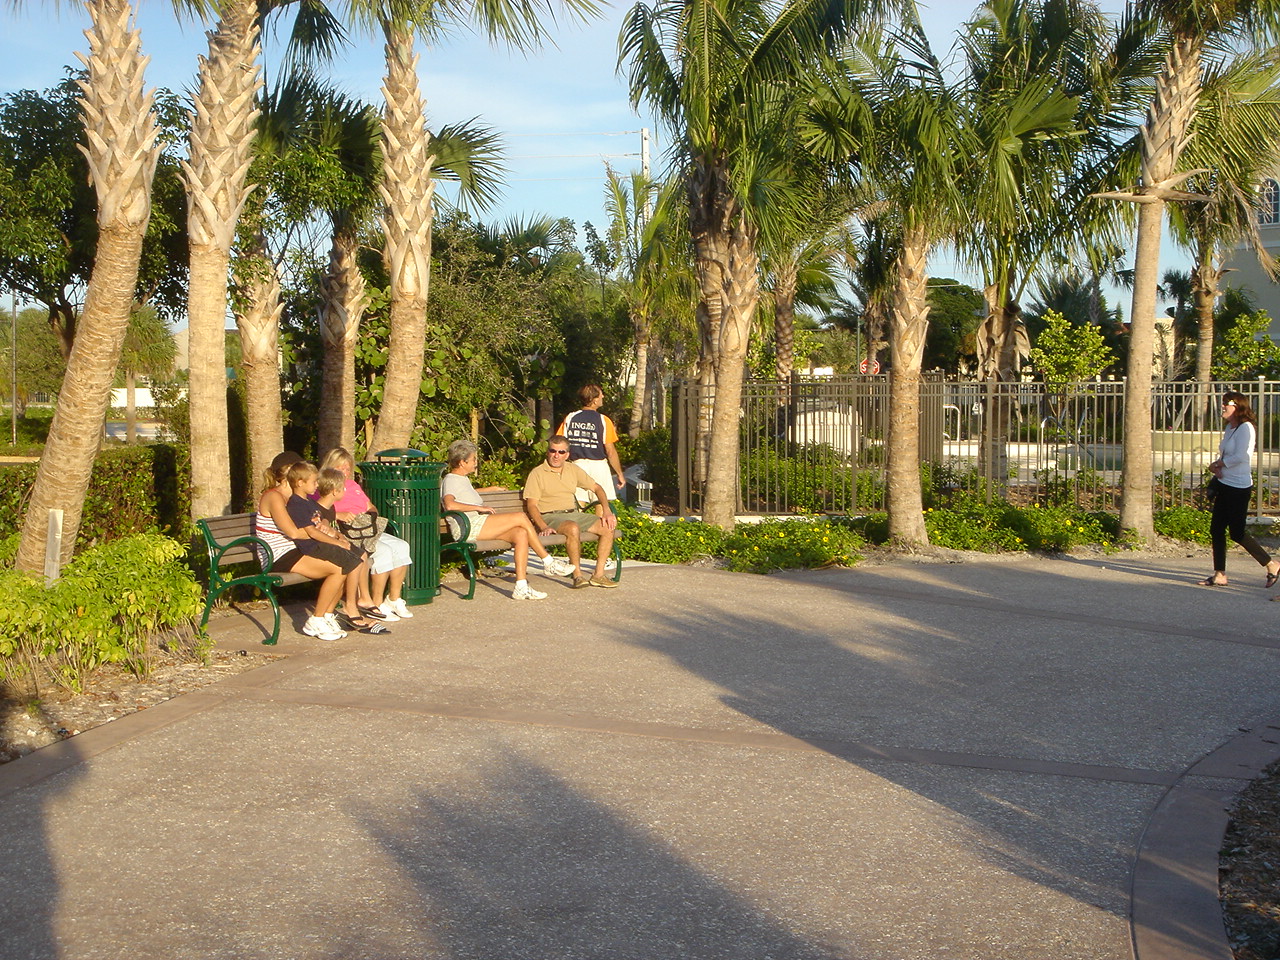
{"x":322,"y":629}
{"x":398,"y":607}
{"x":558,"y":566}
{"x":526,"y":592}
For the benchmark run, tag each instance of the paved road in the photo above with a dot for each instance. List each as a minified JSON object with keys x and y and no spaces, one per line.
{"x":1021,"y":758}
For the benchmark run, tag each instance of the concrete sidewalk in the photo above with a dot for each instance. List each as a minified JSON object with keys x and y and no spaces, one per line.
{"x":1021,"y":758}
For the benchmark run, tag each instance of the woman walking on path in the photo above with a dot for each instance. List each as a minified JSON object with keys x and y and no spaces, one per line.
{"x":1233,"y":481}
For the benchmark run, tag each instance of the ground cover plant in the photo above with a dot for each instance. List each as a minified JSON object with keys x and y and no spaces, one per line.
{"x":113,"y":603}
{"x":774,"y":544}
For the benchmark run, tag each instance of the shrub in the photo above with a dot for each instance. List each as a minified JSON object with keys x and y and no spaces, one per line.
{"x":1057,"y":528}
{"x":112,"y":604}
{"x":968,"y":523}
{"x":816,"y":478}
{"x":1183,"y":523}
{"x":648,"y":538}
{"x":654,"y":449}
{"x":789,"y":544}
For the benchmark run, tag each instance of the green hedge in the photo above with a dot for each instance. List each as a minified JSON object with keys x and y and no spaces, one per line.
{"x":132,"y":489}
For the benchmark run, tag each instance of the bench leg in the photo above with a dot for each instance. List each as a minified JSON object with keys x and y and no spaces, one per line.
{"x":208,"y":606}
{"x":275,"y":626}
{"x":471,"y":574}
{"x":617,"y":561}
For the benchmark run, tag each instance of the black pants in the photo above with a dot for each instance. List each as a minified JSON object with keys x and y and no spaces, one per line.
{"x":1230,"y":508}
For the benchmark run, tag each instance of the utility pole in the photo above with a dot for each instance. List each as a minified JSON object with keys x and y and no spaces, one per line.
{"x":13,"y":369}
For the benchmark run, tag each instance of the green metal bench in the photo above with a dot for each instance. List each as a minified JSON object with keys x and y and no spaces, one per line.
{"x":504,"y":501}
{"x":230,"y":542}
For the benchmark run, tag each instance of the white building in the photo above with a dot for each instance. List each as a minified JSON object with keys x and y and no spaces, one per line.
{"x":1246,"y":273}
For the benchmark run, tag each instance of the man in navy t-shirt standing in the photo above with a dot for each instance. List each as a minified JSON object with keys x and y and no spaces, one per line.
{"x":592,"y":438}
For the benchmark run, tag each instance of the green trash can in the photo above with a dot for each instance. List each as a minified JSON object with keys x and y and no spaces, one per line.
{"x":404,"y":486}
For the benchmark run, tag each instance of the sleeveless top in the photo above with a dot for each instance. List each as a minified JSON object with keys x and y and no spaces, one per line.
{"x":265,"y":528}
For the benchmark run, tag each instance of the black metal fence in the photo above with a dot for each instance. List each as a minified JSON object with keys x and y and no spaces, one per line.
{"x":817,"y":445}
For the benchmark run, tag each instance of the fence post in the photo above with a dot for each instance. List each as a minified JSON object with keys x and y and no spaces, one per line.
{"x":681,"y":417}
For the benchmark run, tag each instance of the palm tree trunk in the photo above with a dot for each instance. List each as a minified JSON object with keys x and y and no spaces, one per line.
{"x":741,"y":293}
{"x":259,"y":325}
{"x":1204,"y":293}
{"x":654,"y":397}
{"x":407,"y":190}
{"x":784,"y":321}
{"x":909,"y":323}
{"x":222,"y":135}
{"x":122,"y":155}
{"x":1163,"y":137}
{"x":341,"y":310}
{"x":641,"y":391}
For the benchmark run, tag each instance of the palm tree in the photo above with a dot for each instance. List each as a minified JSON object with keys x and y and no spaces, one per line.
{"x":799,"y":254}
{"x":121,"y":148}
{"x":1237,"y":137}
{"x":723,"y":77}
{"x":148,"y":350}
{"x":223,"y":131}
{"x":914,"y":141}
{"x":1191,"y":28}
{"x":1032,"y":202}
{"x":407,"y":187}
{"x":223,"y":126}
{"x":647,"y":241}
{"x":890,"y":111}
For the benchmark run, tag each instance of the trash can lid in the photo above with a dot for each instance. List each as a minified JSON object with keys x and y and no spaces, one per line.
{"x":402,"y":453}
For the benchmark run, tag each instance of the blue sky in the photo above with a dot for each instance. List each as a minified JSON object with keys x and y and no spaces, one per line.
{"x":563,"y":111}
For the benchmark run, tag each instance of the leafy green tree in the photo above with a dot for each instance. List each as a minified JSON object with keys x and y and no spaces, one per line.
{"x":1066,"y":353}
{"x":955,"y":311}
{"x":1246,"y":351}
{"x":47,"y":229}
{"x":40,"y":362}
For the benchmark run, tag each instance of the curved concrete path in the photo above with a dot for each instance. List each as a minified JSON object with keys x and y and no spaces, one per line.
{"x":1022,"y":758}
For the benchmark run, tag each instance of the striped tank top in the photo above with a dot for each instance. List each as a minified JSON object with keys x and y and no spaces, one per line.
{"x":265,"y":528}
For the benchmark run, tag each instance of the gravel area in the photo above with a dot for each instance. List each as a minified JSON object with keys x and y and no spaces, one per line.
{"x":1249,"y":870}
{"x":29,"y":722}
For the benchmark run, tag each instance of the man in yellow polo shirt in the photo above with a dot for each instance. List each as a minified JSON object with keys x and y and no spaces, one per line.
{"x":551,"y":501}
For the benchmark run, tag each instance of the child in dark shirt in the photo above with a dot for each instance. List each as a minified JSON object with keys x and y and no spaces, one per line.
{"x":322,"y":540}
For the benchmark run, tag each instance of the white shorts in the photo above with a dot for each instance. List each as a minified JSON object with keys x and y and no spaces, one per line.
{"x":389,"y":552}
{"x":597,"y":470}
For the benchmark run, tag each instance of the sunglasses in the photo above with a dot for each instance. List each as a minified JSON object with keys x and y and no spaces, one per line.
{"x":558,"y":453}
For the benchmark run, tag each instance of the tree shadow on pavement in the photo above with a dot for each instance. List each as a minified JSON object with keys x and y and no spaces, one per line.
{"x":517,"y":864}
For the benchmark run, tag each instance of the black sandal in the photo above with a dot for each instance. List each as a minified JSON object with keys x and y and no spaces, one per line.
{"x":362,"y":624}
